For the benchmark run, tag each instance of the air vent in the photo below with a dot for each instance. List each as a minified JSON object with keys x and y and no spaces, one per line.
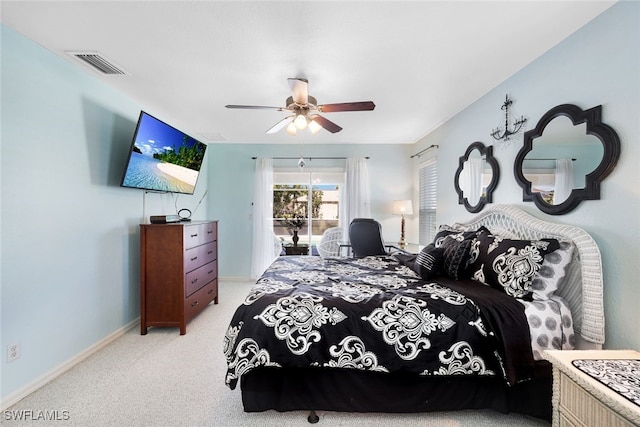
{"x":99,"y":62}
{"x":212,"y":136}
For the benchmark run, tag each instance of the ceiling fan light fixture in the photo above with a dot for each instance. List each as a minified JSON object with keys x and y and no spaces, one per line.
{"x":291,"y":129}
{"x":302,"y":108}
{"x":300,"y":122}
{"x":314,"y":127}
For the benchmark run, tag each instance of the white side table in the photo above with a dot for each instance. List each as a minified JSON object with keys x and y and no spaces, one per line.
{"x":580,"y":400}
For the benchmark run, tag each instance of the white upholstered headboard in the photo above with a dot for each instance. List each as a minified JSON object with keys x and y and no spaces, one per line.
{"x":583,"y":290}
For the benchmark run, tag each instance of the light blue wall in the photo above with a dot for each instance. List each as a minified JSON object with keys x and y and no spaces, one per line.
{"x":598,"y":65}
{"x":231,"y":175}
{"x":69,"y":236}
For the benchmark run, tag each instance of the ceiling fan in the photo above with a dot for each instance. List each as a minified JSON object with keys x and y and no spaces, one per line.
{"x":304,"y":109}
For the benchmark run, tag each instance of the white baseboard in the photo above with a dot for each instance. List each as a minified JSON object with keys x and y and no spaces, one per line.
{"x":235,"y":279}
{"x":14,"y":398}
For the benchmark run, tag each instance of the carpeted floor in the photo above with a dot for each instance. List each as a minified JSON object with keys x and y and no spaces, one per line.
{"x":164,"y":379}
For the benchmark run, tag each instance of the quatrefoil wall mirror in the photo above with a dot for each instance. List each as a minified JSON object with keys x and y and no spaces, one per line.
{"x":564,"y":159}
{"x":476,"y":177}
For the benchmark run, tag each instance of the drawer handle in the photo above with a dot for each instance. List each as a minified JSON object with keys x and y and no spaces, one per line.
{"x":194,"y":235}
{"x":210,"y":292}
{"x":209,"y":231}
{"x":194,"y":304}
{"x":194,"y":281}
{"x":209,"y":253}
{"x":194,"y":258}
{"x":210,"y":271}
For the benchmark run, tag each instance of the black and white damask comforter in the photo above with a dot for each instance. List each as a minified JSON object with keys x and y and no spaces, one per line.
{"x":375,"y":314}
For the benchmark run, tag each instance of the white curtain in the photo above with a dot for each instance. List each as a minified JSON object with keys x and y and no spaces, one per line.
{"x":262,"y":253}
{"x":471,"y":180}
{"x":564,"y":180}
{"x":355,"y":200}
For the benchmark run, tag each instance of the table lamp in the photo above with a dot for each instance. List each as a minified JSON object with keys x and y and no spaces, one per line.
{"x":402,"y":207}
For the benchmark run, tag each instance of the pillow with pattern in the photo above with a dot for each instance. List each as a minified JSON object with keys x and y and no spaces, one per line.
{"x":430,"y":262}
{"x":447,"y":231}
{"x":456,"y":246}
{"x":552,"y":271}
{"x":509,"y":265}
{"x":456,"y":256}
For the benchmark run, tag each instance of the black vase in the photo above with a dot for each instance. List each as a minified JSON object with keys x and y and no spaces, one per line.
{"x":295,"y":238}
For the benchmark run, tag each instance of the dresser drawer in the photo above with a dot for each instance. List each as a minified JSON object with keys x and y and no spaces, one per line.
{"x":199,"y":234}
{"x":199,"y":277}
{"x":200,"y":255}
{"x":178,"y":272}
{"x":200,"y":299}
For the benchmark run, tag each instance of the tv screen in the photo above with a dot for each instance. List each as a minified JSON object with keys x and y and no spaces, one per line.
{"x":162,"y":158}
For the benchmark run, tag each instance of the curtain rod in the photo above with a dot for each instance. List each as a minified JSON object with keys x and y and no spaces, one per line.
{"x":310,"y":158}
{"x":573,"y":160}
{"x":420,"y":152}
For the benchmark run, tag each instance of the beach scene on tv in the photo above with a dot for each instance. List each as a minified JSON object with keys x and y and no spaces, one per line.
{"x":163,"y":158}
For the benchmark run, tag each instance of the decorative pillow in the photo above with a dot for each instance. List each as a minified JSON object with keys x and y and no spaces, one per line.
{"x":448,"y":231}
{"x":429,"y":262}
{"x":509,"y":265}
{"x":456,"y":256}
{"x":457,"y":248}
{"x":552,"y":271}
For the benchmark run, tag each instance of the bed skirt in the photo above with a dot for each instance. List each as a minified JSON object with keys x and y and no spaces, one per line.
{"x":358,"y":391}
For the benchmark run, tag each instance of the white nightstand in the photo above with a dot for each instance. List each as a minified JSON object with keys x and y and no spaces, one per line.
{"x":580,"y":400}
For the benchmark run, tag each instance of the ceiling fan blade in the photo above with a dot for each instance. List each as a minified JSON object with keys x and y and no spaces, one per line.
{"x":327,"y":124}
{"x":300,"y":90}
{"x":255,"y":107}
{"x":347,"y":106}
{"x":282,"y":123}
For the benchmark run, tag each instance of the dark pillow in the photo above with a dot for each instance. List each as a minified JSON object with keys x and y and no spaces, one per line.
{"x":456,"y":256}
{"x":429,"y":262}
{"x":457,"y":249}
{"x":509,"y":265}
{"x":446,"y":231}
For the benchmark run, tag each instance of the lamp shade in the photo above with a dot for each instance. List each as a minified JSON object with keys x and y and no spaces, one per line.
{"x":314,"y":127}
{"x":402,"y":207}
{"x":291,"y":129}
{"x":300,"y":122}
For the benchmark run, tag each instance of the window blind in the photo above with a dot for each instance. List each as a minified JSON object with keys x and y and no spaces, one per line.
{"x":428,"y":198}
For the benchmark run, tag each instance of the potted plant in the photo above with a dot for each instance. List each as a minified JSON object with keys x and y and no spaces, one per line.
{"x":290,"y":209}
{"x":294,"y":223}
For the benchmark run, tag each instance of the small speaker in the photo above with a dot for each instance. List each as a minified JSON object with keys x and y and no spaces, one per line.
{"x":164,"y":219}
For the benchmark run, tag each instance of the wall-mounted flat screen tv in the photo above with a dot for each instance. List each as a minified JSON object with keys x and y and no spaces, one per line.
{"x":162,"y":158}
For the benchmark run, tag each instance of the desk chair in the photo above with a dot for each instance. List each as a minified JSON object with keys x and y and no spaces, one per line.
{"x":365,"y":235}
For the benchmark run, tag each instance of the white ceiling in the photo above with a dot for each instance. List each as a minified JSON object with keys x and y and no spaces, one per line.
{"x":421,"y":62}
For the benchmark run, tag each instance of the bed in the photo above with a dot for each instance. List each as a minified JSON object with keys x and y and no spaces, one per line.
{"x":462,"y":325}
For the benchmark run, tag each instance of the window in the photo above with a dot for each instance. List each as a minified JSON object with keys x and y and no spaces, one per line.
{"x":307,"y":202}
{"x":428,"y":198}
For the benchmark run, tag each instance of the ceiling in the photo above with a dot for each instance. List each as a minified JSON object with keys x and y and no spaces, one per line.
{"x":421,"y":62}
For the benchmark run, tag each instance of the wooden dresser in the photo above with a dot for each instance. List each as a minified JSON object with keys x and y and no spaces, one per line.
{"x":580,"y":400}
{"x":178,"y":272}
